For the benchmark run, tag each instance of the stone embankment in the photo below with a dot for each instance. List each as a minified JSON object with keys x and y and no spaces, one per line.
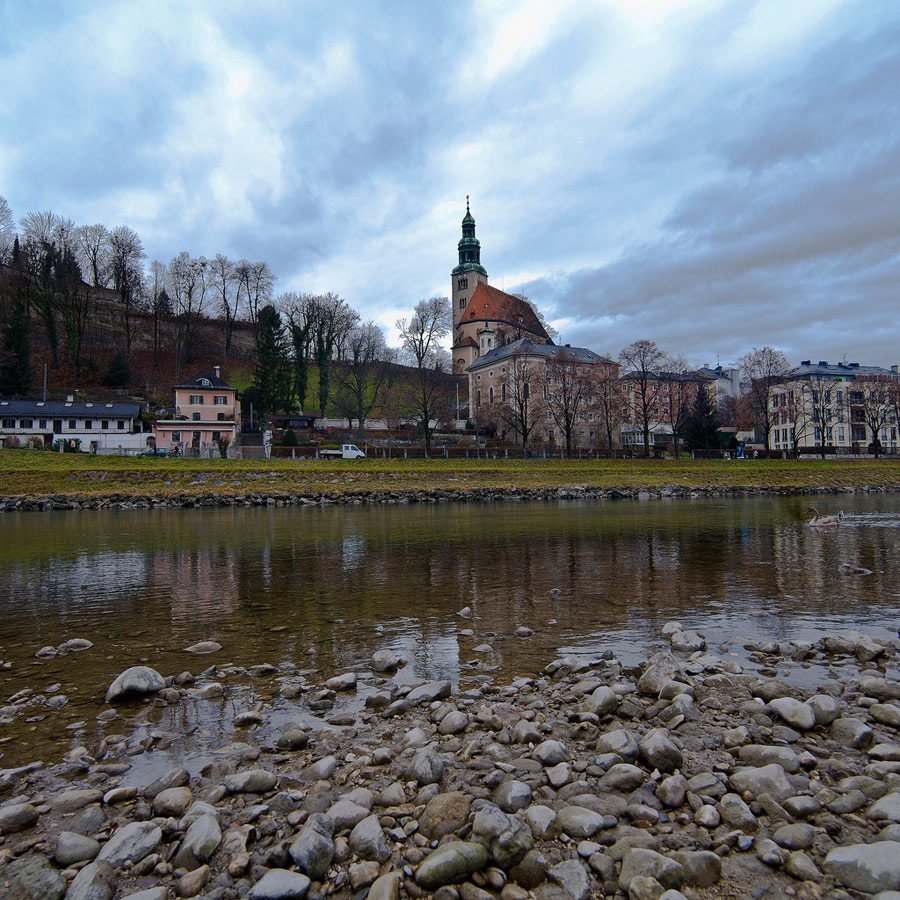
{"x":685,"y":777}
{"x":472,"y":495}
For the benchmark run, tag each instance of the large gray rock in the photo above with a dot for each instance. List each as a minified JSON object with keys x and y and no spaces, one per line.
{"x":17,"y":817}
{"x":571,"y":876}
{"x":887,"y":809}
{"x":512,"y":796}
{"x":385,"y":661}
{"x":662,"y":668}
{"x":866,"y":867}
{"x":602,"y":701}
{"x":702,"y":868}
{"x":797,"y":714}
{"x":450,"y":864}
{"x":736,"y":813}
{"x":130,"y":844}
{"x":444,"y":814}
{"x":387,"y":887}
{"x":549,"y":753}
{"x":31,"y":877}
{"x":638,"y":861}
{"x":762,"y":780}
{"x":96,"y":881}
{"x":852,"y":732}
{"x":280,"y":884}
{"x":367,"y":840}
{"x":620,"y":742}
{"x":138,"y":681}
{"x":428,"y":692}
{"x":671,"y":791}
{"x":313,"y":849}
{"x":579,"y":823}
{"x":688,"y":642}
{"x":253,"y":781}
{"x":427,"y":767}
{"x":825,"y":707}
{"x":177,"y":776}
{"x":346,"y":814}
{"x":659,"y":751}
{"x":200,"y":842}
{"x":72,"y":847}
{"x":764,"y":755}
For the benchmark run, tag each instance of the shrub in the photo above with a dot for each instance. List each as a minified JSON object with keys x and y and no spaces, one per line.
{"x":223,"y":447}
{"x":289,"y":439}
{"x":68,"y":445}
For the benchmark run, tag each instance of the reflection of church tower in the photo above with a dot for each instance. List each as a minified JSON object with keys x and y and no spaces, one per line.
{"x":466,"y":277}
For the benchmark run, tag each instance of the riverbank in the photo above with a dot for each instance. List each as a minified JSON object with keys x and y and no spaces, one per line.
{"x":687,"y":773}
{"x":31,"y":480}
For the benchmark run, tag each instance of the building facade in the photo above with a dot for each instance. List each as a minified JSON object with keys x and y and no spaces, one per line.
{"x":207,"y":411}
{"x":483,"y":316}
{"x":97,"y":426}
{"x":835,"y":408}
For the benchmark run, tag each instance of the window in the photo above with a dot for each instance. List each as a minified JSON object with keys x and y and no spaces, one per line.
{"x":217,"y":435}
{"x":462,"y":302}
{"x":526,"y":390}
{"x":9,"y":423}
{"x":220,"y":400}
{"x":491,"y":374}
{"x":205,"y":382}
{"x":120,"y":424}
{"x":478,"y":378}
{"x":26,"y":423}
{"x":503,"y":393}
{"x":196,"y":399}
{"x":840,"y":396}
{"x":840,"y":434}
{"x":490,"y":394}
{"x":104,"y":424}
{"x":220,"y":417}
{"x":72,"y":424}
{"x":196,"y":417}
{"x":462,"y":284}
{"x":88,"y":424}
{"x":478,"y":397}
{"x":176,"y":437}
{"x":43,"y":423}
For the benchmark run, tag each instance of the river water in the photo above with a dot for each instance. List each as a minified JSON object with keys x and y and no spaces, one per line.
{"x":322,"y":588}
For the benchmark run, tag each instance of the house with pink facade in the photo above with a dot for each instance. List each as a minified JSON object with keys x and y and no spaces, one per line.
{"x":207,"y":411}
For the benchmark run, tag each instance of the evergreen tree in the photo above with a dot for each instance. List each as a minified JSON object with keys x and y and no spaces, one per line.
{"x":702,"y":425}
{"x":273,"y":368}
{"x":118,"y":372}
{"x":15,"y":362}
{"x":324,"y":346}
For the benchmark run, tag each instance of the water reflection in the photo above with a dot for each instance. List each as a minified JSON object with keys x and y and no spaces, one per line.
{"x":310,"y":585}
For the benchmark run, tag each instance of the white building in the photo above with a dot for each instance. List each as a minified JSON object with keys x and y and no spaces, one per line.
{"x":98,"y":426}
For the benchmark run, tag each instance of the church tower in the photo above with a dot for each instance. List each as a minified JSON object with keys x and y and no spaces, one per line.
{"x":464,"y":278}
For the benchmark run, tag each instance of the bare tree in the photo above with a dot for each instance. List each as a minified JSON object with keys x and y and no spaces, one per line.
{"x":7,"y":231}
{"x":607,"y":392}
{"x":224,"y":282}
{"x":126,"y":254}
{"x":525,"y":404}
{"x":420,"y":342}
{"x":364,"y":373}
{"x":254,"y":283}
{"x":876,"y":406}
{"x":642,"y":361}
{"x":188,"y":284}
{"x":93,"y":245}
{"x":567,"y":389}
{"x":813,"y":402}
{"x":763,"y":369}
{"x":676,"y":387}
{"x":160,"y":304}
{"x":37,"y":227}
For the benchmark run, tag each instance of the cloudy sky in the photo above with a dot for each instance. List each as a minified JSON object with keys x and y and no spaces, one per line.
{"x":713,"y":175}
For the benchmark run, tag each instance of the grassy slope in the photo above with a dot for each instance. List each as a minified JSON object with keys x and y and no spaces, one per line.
{"x":26,"y":473}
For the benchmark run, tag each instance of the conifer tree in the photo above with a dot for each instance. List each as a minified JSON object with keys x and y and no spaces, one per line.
{"x":273,"y":369}
{"x":702,"y":425}
{"x":15,"y":362}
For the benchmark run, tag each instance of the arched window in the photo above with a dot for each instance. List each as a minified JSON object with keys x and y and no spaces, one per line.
{"x":462,"y":284}
{"x":478,"y":398}
{"x":490,"y":394}
{"x":503,"y":392}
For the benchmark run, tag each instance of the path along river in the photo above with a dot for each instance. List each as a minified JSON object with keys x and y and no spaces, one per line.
{"x":320,"y":589}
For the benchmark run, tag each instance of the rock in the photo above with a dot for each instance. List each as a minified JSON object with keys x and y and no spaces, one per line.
{"x":763,"y":755}
{"x":572,"y":877}
{"x":31,"y":877}
{"x":428,"y":692}
{"x":621,"y":777}
{"x":688,"y":642}
{"x":387,"y":887}
{"x":602,"y":701}
{"x":801,"y":867}
{"x":280,"y":884}
{"x":17,"y":817}
{"x":451,"y":863}
{"x":762,"y":780}
{"x":796,"y":836}
{"x":385,"y":661}
{"x":866,"y":867}
{"x":343,"y":682}
{"x":559,"y":775}
{"x":119,"y":795}
{"x":797,"y":714}
{"x":427,"y":767}
{"x":886,"y":714}
{"x":825,"y":707}
{"x":768,"y":852}
{"x":659,"y":752}
{"x":512,"y":796}
{"x":346,"y":814}
{"x":707,"y":816}
{"x":645,"y":887}
{"x":138,"y":681}
{"x":292,"y":737}
{"x":542,"y":820}
{"x":887,"y":809}
{"x":72,"y":847}
{"x":96,"y":881}
{"x":525,"y":732}
{"x":253,"y":781}
{"x":661,"y":668}
{"x":362,"y":874}
{"x":200,"y":842}
{"x":620,"y":742}
{"x":313,"y":849}
{"x":367,"y":840}
{"x":852,"y":732}
{"x":578,"y":823}
{"x":454,"y":722}
{"x":191,"y":884}
{"x":702,"y":868}
{"x":736,"y":813}
{"x":131,"y":843}
{"x":172,"y":802}
{"x":69,"y":801}
{"x":638,"y":861}
{"x":175,"y":777}
{"x":671,"y":791}
{"x":203,"y":647}
{"x":549,"y":753}
{"x":157,"y":893}
{"x":445,"y":814}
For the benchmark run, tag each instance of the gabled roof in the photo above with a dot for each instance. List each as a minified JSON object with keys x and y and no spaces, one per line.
{"x":524,"y":347}
{"x":80,"y":409}
{"x":211,"y":377}
{"x":466,"y":342}
{"x":489,"y":303}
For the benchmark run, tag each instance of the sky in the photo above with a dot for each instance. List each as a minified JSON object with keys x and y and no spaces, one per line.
{"x":713,"y":175}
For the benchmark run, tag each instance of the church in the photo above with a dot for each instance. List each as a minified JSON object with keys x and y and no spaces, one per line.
{"x":483,"y":317}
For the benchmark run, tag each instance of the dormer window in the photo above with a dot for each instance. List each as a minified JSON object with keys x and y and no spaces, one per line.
{"x":205,"y":382}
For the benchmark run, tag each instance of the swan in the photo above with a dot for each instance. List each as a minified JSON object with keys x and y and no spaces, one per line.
{"x":818,"y":521}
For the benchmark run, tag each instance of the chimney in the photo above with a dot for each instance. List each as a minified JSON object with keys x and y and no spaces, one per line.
{"x":705,"y":365}
{"x":894,"y":369}
{"x":216,"y":368}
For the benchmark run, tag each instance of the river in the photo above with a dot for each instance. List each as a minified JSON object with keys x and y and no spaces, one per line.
{"x":320,"y":589}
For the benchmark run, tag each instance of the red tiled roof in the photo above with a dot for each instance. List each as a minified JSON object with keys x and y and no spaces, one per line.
{"x":493,"y":305}
{"x":466,"y":342}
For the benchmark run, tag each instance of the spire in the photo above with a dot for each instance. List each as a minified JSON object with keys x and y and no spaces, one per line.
{"x":469,"y":246}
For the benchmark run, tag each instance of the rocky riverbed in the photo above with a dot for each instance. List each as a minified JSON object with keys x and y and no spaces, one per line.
{"x":684,"y":777}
